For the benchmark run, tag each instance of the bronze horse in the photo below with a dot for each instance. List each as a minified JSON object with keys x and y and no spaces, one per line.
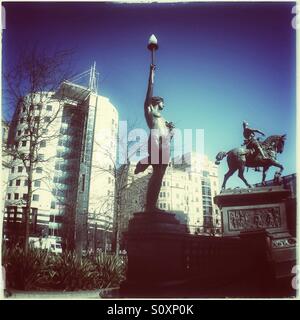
{"x":239,"y":158}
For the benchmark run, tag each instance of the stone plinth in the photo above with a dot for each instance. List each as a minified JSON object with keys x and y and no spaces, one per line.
{"x":155,"y":247}
{"x":261,"y":208}
{"x":258,"y":216}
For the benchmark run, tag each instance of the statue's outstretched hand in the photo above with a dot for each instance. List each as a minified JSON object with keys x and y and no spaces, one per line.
{"x":152,"y":66}
{"x":170,"y":125}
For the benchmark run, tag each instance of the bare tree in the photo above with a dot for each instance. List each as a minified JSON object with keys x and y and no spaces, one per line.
{"x":32,"y":84}
{"x":121,"y":177}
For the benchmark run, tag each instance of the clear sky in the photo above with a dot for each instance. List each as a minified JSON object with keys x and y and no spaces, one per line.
{"x":217,"y":65}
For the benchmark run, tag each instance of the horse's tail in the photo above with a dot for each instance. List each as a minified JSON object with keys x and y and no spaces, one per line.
{"x":220,"y":156}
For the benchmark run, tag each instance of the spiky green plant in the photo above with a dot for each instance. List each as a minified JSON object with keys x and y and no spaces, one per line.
{"x":26,"y":271}
{"x":110,"y":269}
{"x":70,"y":272}
{"x":42,"y":270}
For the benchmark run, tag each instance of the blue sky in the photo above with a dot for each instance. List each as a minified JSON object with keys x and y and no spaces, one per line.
{"x":217,"y":65}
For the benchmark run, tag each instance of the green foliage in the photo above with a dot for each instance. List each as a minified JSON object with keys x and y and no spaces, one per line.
{"x":25,"y":271}
{"x":110,"y":270}
{"x":70,"y":272}
{"x":43,"y":270}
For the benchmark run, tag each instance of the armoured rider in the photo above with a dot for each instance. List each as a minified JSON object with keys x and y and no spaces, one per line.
{"x":251,"y":141}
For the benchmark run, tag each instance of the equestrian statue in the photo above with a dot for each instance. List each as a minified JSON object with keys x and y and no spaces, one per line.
{"x":254,"y":154}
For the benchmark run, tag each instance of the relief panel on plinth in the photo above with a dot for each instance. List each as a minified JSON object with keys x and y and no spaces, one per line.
{"x":252,"y":219}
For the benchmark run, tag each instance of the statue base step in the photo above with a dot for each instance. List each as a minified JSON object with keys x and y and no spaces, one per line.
{"x":155,"y":253}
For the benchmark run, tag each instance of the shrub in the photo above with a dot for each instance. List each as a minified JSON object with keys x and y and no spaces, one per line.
{"x":25,"y":271}
{"x":43,"y":270}
{"x":110,"y":270}
{"x":70,"y":272}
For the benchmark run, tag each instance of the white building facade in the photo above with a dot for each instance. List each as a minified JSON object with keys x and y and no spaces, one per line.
{"x":64,"y":181}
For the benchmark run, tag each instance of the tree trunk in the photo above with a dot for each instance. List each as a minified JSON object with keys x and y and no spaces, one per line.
{"x":29,"y":196}
{"x":95,"y":238}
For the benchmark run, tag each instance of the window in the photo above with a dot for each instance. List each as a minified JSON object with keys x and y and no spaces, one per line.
{"x":39,"y":106}
{"x":43,"y":144}
{"x":10,"y":183}
{"x":35,"y":197}
{"x":18,"y":182}
{"x":24,"y":143}
{"x":22,"y":120}
{"x":52,"y":204}
{"x":24,"y":109}
{"x":37,"y":183}
{"x":20,"y":169}
{"x":12,"y":169}
{"x":37,"y":119}
{"x":39,"y":170}
{"x":8,"y":196}
{"x":61,"y":193}
{"x":16,"y":196}
{"x":25,"y":196}
{"x":19,"y":132}
{"x":26,"y":131}
{"x":26,"y":183}
{"x":60,"y":154}
{"x":83,"y":182}
{"x":49,"y":107}
{"x":47,"y":119}
{"x":205,"y":173}
{"x":40,"y":157}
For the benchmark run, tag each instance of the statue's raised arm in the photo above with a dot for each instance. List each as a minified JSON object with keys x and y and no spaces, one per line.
{"x":149,"y":95}
{"x":258,"y":131}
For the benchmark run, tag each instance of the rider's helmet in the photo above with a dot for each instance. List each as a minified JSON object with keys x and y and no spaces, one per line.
{"x":245,"y":124}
